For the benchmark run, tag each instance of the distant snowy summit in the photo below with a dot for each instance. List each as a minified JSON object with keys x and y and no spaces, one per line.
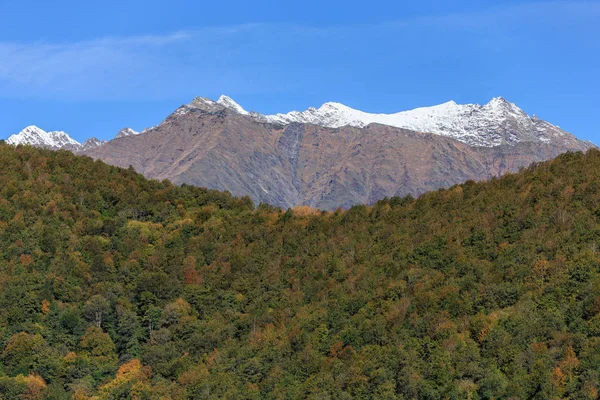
{"x":496,"y":123}
{"x":89,"y":144}
{"x":126,"y":132}
{"x":34,"y":136}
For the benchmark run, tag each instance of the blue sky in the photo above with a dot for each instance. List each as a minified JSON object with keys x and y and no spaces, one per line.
{"x":91,"y":68}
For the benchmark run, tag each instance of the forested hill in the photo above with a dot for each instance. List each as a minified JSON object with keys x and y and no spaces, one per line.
{"x":116,"y":287}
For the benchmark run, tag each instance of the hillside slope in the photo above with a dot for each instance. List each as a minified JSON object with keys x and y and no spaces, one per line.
{"x":119,"y":287}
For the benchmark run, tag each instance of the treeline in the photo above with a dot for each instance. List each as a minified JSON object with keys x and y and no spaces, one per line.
{"x":116,"y":287}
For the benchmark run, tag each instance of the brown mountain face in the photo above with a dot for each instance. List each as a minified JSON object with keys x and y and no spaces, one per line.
{"x":304,"y":164}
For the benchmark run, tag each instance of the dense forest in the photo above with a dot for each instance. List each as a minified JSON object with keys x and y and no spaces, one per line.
{"x":116,"y":287}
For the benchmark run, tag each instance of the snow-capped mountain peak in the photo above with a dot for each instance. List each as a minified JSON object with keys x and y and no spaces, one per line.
{"x":230,"y":103}
{"x":126,"y":132}
{"x":32,"y":135}
{"x":208,"y":105}
{"x":89,"y":144}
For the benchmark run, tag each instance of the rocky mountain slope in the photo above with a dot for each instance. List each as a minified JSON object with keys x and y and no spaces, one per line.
{"x":219,"y":145}
{"x":329,"y":157}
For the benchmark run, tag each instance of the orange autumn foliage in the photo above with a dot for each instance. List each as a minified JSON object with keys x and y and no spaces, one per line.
{"x":305,"y":211}
{"x":36,"y":387}
{"x":26,"y":260}
{"x":45,"y":307}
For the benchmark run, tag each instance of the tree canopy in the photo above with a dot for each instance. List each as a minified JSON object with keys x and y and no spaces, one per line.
{"x":117,"y":287}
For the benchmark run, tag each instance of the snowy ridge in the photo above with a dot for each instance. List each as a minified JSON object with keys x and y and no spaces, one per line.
{"x":208,"y":105}
{"x":32,"y":135}
{"x":493,"y":124}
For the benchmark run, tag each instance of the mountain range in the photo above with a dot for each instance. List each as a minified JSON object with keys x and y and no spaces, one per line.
{"x":328,"y":157}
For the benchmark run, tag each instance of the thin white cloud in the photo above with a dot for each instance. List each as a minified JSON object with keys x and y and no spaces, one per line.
{"x":241,"y":58}
{"x":107,"y":68}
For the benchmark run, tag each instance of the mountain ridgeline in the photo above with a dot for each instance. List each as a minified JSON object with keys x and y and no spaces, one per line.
{"x":329,"y":157}
{"x":113,"y":286}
